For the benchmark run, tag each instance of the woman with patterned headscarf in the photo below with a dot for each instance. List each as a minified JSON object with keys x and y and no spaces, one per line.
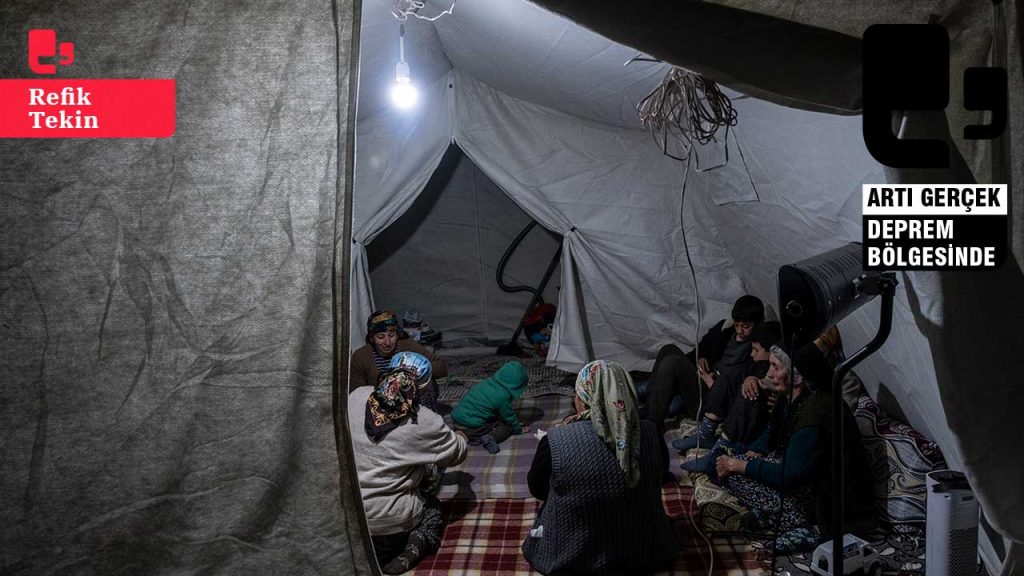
{"x":385,"y":339}
{"x":599,"y":475}
{"x":393,"y":448}
{"x":419,"y":366}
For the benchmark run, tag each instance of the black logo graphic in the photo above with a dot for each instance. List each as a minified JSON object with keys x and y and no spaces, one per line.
{"x":906,"y":67}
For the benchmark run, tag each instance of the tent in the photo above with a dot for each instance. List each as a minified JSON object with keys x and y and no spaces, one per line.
{"x":554,"y":126}
{"x":177,"y":313}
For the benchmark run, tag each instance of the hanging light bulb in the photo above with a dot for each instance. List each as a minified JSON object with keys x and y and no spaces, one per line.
{"x":403,"y":93}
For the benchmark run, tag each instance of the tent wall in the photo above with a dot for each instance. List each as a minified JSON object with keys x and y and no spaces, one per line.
{"x":166,"y":304}
{"x":441,"y":256}
{"x":396,"y":152}
{"x":615,"y":199}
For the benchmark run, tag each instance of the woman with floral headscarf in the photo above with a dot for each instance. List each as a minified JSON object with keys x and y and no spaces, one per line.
{"x":393,"y":448}
{"x":599,"y":475}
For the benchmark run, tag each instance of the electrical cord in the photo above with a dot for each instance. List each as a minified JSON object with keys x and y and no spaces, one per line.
{"x":402,"y":9}
{"x":696,"y":353}
{"x":686,"y":108}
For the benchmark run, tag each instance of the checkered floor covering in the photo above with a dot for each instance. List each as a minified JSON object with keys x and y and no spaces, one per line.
{"x":503,"y":475}
{"x":484,"y":537}
{"x":489,"y":510}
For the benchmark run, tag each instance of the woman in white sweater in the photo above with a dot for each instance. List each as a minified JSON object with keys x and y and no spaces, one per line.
{"x":396,"y":443}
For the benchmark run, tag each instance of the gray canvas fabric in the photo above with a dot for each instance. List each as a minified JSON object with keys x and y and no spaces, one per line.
{"x":166,"y":305}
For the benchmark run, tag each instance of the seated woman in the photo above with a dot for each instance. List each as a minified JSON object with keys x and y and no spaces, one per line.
{"x":599,"y":476}
{"x":421,"y":369}
{"x":798,"y":437}
{"x":383,"y":340}
{"x":393,"y":449}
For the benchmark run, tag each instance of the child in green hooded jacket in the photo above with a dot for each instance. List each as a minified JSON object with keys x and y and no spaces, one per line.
{"x":485,"y":413}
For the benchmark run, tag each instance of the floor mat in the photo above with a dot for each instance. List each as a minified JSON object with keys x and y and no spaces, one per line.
{"x":503,"y":475}
{"x":464,"y":371}
{"x":484,"y":537}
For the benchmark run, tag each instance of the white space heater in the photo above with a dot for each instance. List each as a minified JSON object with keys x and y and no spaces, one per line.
{"x":951,"y":537}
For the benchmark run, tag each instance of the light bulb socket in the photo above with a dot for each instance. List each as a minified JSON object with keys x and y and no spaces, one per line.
{"x":402,"y":72}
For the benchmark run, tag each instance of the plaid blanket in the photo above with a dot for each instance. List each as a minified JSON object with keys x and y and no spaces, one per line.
{"x":484,"y":537}
{"x":489,"y":510}
{"x":503,"y":475}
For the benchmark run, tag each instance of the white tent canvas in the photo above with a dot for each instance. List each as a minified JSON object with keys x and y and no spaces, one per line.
{"x":546,"y":110}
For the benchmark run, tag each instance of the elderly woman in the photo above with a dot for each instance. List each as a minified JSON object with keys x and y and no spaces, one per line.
{"x":599,"y":476}
{"x":384,"y":339}
{"x":789,"y":461}
{"x":394,"y":448}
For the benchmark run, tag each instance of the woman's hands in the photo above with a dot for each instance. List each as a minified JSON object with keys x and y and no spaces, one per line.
{"x":707,"y":379}
{"x":726,"y":466}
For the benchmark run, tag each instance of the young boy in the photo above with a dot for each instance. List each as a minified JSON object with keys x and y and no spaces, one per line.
{"x":745,"y":418}
{"x":722,"y":348}
{"x":485,"y":413}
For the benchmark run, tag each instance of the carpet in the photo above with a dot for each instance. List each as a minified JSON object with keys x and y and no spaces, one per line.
{"x":484,"y":537}
{"x":489,"y":510}
{"x":901,"y":554}
{"x":464,"y":371}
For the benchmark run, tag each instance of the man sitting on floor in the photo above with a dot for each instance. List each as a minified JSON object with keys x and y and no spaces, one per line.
{"x":723,"y":347}
{"x":745,"y":418}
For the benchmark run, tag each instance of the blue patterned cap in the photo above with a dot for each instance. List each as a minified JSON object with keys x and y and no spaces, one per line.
{"x":416,"y":364}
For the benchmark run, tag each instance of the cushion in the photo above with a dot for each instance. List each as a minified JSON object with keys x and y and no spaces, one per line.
{"x":720,"y":511}
{"x":900,"y":457}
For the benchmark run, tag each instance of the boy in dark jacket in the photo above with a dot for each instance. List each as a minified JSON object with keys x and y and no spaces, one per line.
{"x":722,"y":348}
{"x":485,"y":413}
{"x":744,"y":418}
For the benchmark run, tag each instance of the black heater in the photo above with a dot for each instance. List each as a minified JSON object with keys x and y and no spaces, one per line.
{"x":814,"y":294}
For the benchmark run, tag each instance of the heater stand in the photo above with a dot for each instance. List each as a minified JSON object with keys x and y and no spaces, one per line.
{"x":873,"y":284}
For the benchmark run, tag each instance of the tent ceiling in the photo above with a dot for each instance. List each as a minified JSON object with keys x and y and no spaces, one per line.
{"x":519,"y":49}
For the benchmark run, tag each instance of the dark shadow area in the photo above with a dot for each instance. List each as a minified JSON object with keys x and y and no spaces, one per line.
{"x":887,"y":400}
{"x":398,"y":233}
{"x":529,"y":414}
{"x":464,"y":480}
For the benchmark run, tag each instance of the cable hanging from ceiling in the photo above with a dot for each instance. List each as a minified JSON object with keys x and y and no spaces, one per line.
{"x":402,"y":9}
{"x":683,"y":109}
{"x":687,"y":108}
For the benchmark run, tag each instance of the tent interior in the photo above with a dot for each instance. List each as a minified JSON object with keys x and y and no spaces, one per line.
{"x":452,"y":239}
{"x":177,"y":314}
{"x":546,"y":114}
